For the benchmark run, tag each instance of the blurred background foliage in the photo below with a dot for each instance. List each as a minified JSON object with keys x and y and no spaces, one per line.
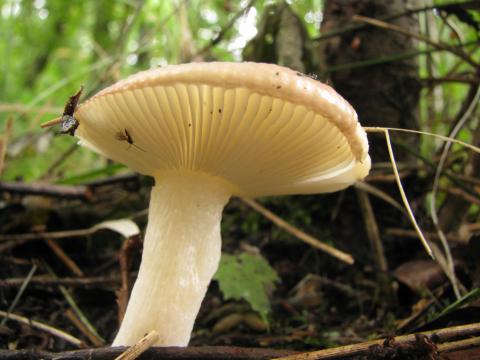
{"x":50,"y":48}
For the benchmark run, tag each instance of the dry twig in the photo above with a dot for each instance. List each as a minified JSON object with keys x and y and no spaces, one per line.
{"x":62,"y":255}
{"x":70,"y":314}
{"x":376,"y":244}
{"x":436,"y":336}
{"x":140,"y":347}
{"x":44,"y":327}
{"x":129,"y":245}
{"x":188,"y":353}
{"x":343,"y":256}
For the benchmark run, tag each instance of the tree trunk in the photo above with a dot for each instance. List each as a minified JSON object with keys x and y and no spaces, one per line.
{"x":385,"y":94}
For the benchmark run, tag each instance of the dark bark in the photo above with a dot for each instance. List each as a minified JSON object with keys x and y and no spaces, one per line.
{"x":383,"y":95}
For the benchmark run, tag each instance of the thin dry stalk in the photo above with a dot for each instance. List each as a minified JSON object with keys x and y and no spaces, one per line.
{"x":20,"y":292}
{"x":73,"y":304}
{"x":343,"y":256}
{"x":400,"y":232}
{"x":82,"y":328}
{"x":368,"y":188}
{"x":136,"y":350}
{"x":64,"y":258}
{"x":129,"y":245}
{"x":400,"y":189}
{"x":44,"y":327}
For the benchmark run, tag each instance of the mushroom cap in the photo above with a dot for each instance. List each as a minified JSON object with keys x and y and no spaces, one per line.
{"x":262,"y":128}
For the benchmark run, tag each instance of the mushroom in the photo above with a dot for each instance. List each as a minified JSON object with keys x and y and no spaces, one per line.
{"x":205,"y":132}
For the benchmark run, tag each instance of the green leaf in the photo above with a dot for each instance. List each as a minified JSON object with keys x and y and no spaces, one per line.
{"x":247,"y":277}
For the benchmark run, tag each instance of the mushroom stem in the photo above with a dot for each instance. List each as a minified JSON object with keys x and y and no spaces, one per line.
{"x":182,"y":249}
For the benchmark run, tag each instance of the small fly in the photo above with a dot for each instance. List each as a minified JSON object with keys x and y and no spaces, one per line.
{"x":125,"y":136}
{"x":68,"y":121}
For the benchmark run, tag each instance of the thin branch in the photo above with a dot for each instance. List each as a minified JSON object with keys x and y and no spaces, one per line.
{"x":399,"y":29}
{"x":343,"y":256}
{"x":61,"y":191}
{"x":129,"y":245}
{"x":373,"y":234}
{"x":20,"y":292}
{"x":165,"y":353}
{"x":45,"y":280}
{"x":389,"y":17}
{"x":435,"y":336}
{"x":400,"y":232}
{"x":62,"y":255}
{"x":70,"y":315}
{"x":459,"y":345}
{"x":44,"y":327}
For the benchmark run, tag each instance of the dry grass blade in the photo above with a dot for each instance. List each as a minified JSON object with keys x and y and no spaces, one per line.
{"x":419,"y":132}
{"x":136,"y":350}
{"x":73,"y":304}
{"x":343,"y":256}
{"x":449,"y":269}
{"x":404,"y":197}
{"x":70,"y":314}
{"x":44,"y":327}
{"x":20,"y":292}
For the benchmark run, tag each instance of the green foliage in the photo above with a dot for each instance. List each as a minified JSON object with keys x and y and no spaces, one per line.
{"x":247,"y":277}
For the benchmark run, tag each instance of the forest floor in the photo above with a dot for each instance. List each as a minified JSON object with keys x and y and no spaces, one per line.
{"x":54,"y":271}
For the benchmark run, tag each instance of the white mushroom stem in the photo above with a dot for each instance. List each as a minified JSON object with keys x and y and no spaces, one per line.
{"x":181,"y":253}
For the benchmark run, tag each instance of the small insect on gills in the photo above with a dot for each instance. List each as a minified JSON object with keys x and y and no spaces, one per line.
{"x":125,"y":136}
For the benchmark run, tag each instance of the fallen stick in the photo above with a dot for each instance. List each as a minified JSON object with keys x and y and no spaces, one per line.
{"x":420,"y":341}
{"x":189,"y":353}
